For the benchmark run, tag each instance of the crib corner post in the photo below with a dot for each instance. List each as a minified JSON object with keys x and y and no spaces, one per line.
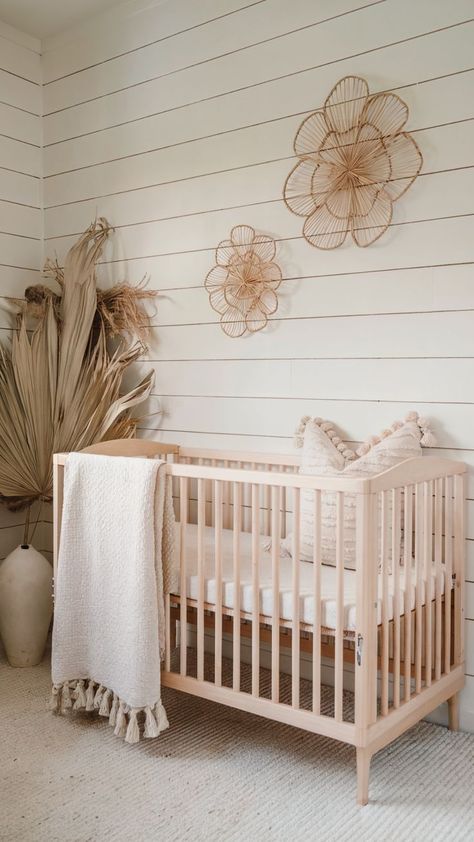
{"x":58,"y":486}
{"x":363,"y":771}
{"x":366,"y":615}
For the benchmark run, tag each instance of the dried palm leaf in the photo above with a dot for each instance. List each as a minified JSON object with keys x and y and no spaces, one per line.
{"x":61,"y":384}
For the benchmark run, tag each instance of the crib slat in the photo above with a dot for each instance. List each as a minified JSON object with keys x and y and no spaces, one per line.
{"x":283,"y":508}
{"x":448,"y":556}
{"x":295,"y":591}
{"x":385,"y":626}
{"x":266,"y":505}
{"x":407,"y":563}
{"x":438,"y":532}
{"x":218,"y":580}
{"x":339,"y":637}
{"x":459,"y":569}
{"x":227,"y":515}
{"x":275,"y":532}
{"x":396,"y":532}
{"x":428,"y":568}
{"x":255,"y":591}
{"x":237,"y":525}
{"x":317,"y":603}
{"x":167,"y":633}
{"x":200,"y":571}
{"x":419,"y":583}
{"x":183,"y":518}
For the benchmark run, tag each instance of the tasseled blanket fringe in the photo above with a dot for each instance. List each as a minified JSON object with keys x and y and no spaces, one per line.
{"x":73,"y":695}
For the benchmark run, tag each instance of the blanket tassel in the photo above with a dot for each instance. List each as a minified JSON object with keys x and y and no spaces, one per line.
{"x":98,"y":696}
{"x":66,"y":702}
{"x":104,"y":709}
{"x":90,"y":696}
{"x":133,"y":731}
{"x":121,"y":721}
{"x":80,"y":696}
{"x":161,"y":717}
{"x":55,"y":699}
{"x":151,"y":725}
{"x":113,"y":711}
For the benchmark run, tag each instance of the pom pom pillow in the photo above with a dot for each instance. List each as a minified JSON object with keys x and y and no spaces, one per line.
{"x":325,"y":454}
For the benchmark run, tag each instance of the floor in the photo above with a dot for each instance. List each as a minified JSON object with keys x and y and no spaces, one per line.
{"x":217,"y":774}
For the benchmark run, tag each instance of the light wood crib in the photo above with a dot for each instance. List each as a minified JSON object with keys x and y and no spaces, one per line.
{"x":397,"y":633}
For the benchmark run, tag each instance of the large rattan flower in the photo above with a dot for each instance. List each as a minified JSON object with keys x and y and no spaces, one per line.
{"x":242,"y":285}
{"x":354,"y":163}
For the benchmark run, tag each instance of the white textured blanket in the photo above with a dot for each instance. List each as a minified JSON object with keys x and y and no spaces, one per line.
{"x":116,"y":560}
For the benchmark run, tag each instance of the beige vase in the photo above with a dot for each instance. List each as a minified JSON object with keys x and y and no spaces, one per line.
{"x":26,"y":605}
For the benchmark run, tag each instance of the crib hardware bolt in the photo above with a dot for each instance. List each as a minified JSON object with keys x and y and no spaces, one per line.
{"x":360,"y":641}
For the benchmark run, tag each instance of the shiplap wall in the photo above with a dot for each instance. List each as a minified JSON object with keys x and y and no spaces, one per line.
{"x":20,"y":197}
{"x":176,"y":121}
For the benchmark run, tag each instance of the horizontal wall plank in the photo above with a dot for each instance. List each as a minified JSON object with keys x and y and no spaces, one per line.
{"x":21,"y":157}
{"x":222,"y":36}
{"x":444,"y":52}
{"x":422,"y":381}
{"x":125,"y":29}
{"x":278,"y":417}
{"x":297,"y":52}
{"x":20,"y":125}
{"x":20,"y":93}
{"x":16,"y":187}
{"x":16,"y":219}
{"x":409,"y":290}
{"x":14,"y":281}
{"x":21,"y":252}
{"x":23,"y":62}
{"x":235,"y":184}
{"x":406,"y":335}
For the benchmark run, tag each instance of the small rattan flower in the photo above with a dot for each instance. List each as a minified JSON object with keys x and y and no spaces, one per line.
{"x":354,"y":163}
{"x":243,"y":282}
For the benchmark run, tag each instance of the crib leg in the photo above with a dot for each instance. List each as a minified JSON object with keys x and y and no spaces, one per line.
{"x":363,"y":768}
{"x":453,"y":712}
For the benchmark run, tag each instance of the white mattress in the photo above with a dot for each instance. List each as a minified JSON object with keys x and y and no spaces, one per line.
{"x":306,"y":608}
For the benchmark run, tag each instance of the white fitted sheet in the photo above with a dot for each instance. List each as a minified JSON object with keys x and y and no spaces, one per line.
{"x":306,"y":608}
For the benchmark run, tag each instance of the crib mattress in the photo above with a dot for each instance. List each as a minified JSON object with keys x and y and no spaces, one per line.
{"x":327,"y":608}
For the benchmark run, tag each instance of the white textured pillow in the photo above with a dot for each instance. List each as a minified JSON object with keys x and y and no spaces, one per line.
{"x":324,"y":454}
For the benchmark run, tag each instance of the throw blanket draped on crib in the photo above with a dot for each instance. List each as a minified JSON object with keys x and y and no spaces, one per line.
{"x":116,"y":561}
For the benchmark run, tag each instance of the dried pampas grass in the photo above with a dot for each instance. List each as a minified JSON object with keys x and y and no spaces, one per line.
{"x":61,"y":382}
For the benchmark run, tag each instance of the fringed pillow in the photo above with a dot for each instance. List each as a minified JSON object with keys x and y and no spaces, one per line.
{"x":325,"y":454}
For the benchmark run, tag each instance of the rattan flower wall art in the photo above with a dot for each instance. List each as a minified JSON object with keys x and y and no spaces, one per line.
{"x":242,"y":285}
{"x":354,"y":162}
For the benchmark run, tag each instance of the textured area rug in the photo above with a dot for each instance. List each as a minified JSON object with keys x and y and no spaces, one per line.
{"x":217,"y":774}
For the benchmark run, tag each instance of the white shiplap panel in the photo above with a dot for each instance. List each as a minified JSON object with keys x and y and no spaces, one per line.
{"x":220,"y":37}
{"x":20,"y":157}
{"x":270,"y":139}
{"x":16,"y":187}
{"x":19,"y":125}
{"x":236,"y":185}
{"x":16,"y":219}
{"x":14,"y":281}
{"x":125,"y":29}
{"x":426,"y":381}
{"x":20,"y":61}
{"x":409,"y":290}
{"x":331,"y":41}
{"x":444,"y":52}
{"x":20,"y":93}
{"x":20,"y":215}
{"x":406,"y":335}
{"x":278,"y":417}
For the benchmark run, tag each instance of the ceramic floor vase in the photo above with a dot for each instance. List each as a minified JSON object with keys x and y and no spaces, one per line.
{"x":26,"y":605}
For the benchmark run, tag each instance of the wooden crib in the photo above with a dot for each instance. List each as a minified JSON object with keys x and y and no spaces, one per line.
{"x":397,"y":634}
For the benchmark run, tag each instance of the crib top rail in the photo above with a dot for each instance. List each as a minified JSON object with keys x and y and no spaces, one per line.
{"x":411,"y":471}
